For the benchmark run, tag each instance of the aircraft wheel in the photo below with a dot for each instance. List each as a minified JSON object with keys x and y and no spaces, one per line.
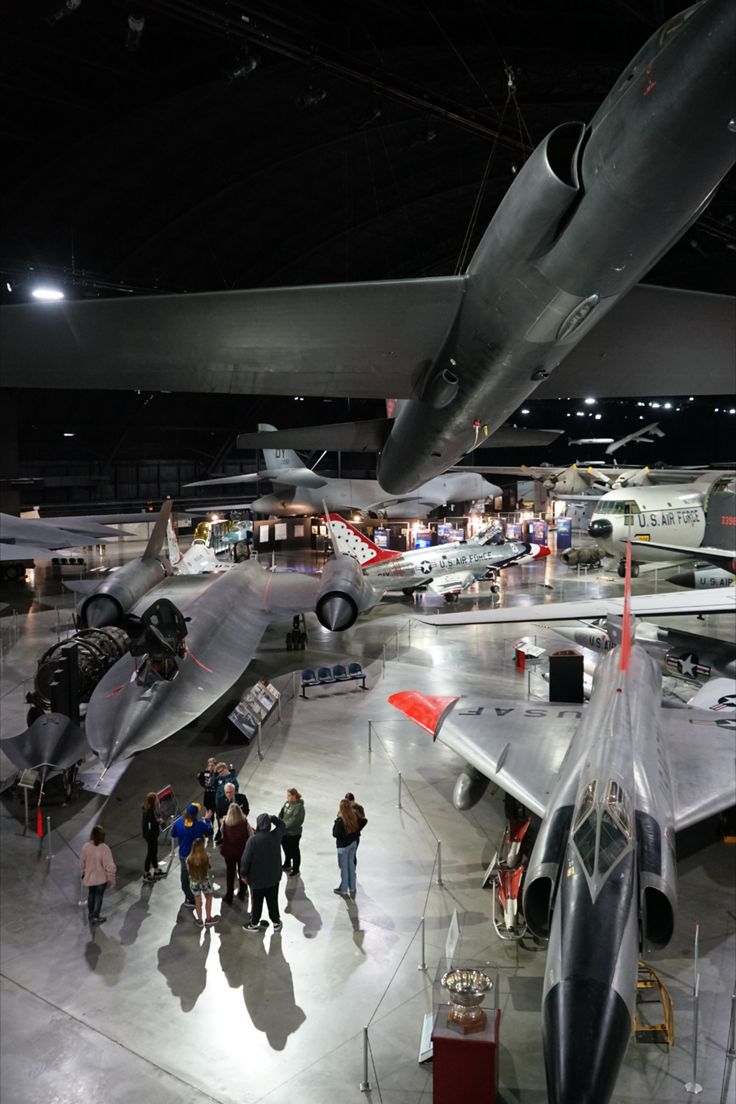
{"x":622,"y":569}
{"x":495,"y":589}
{"x":634,"y":570}
{"x":408,"y":591}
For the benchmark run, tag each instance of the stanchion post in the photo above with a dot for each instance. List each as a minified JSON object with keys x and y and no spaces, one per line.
{"x":370,"y":735}
{"x":258,"y":741}
{"x":50,"y":854}
{"x":693,"y":1086}
{"x":365,"y":1085}
{"x":384,"y":659}
{"x":439,"y":862}
{"x":730,"y":1051}
{"x":278,"y":707}
{"x":696,"y":949}
{"x":399,"y":805}
{"x":25,"y":810}
{"x":422,"y":965}
{"x":293,"y":684}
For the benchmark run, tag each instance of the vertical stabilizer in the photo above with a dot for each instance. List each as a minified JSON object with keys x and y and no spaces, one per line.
{"x":279,"y":459}
{"x":349,"y":540}
{"x":158,"y":535}
{"x":172,"y":543}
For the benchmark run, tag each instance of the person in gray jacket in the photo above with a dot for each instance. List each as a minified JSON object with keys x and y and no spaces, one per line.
{"x":292,"y":815}
{"x":261,"y":867}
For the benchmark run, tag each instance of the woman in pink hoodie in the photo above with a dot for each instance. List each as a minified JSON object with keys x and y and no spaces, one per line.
{"x":97,"y":867}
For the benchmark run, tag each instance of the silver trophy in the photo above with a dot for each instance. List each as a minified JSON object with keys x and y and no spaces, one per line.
{"x":467,"y":989}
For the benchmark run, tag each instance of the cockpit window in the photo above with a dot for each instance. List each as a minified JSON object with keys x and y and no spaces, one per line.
{"x":585,"y":842}
{"x":587,"y":803}
{"x":618,"y":507}
{"x":613,"y":842}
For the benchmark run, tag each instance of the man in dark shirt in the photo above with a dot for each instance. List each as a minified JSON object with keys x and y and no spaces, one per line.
{"x":261,"y":867}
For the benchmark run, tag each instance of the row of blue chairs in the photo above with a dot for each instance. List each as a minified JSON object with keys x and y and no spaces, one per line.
{"x":325,"y":676}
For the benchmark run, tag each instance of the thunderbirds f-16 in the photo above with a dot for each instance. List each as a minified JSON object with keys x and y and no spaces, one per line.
{"x":590,"y":212}
{"x":612,"y":782}
{"x":446,"y":569}
{"x":298,"y":490}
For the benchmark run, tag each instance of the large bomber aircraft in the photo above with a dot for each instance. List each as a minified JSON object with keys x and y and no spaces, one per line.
{"x":686,"y":521}
{"x":446,"y":569}
{"x":612,"y":782}
{"x":298,"y":490}
{"x":590,"y":212}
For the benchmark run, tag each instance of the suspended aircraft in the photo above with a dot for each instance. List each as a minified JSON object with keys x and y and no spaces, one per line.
{"x":298,"y":490}
{"x":554,"y":279}
{"x":37,"y":538}
{"x":446,"y":569}
{"x":612,"y":781}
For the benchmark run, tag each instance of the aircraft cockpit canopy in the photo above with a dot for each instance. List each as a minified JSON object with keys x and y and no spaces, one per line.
{"x":493,"y":534}
{"x":628,"y":506}
{"x":601,"y":838}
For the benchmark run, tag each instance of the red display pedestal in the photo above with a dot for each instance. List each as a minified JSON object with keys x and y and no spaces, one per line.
{"x":465,"y":1067}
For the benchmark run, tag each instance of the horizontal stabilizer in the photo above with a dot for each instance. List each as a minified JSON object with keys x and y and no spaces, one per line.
{"x":724,"y":558}
{"x":511,"y":436}
{"x":366,"y":436}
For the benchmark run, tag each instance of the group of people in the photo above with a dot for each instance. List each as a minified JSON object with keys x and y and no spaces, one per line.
{"x":253,"y":856}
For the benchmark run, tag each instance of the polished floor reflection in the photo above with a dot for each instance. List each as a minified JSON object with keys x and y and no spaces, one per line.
{"x":147,"y":1006}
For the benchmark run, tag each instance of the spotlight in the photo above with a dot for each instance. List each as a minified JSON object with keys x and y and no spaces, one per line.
{"x":47,"y":294}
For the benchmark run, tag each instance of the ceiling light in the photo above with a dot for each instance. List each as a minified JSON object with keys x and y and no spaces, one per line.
{"x":525,"y":411}
{"x":655,"y":405}
{"x":668,"y":406}
{"x":598,"y":417}
{"x":68,"y":434}
{"x":47,"y":294}
{"x":590,"y":402}
{"x":579,"y":413}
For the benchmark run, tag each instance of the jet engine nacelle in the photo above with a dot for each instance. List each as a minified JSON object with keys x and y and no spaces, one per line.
{"x":657,"y":884}
{"x":540,"y":882}
{"x":343,"y":595}
{"x":119,"y":592}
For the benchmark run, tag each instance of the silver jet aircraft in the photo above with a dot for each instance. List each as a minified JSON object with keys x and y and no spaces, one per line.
{"x":590,"y":212}
{"x":612,"y":782}
{"x":446,"y":569}
{"x":298,"y":490}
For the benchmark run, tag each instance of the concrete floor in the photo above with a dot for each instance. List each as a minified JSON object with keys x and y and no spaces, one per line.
{"x":149,"y":1007}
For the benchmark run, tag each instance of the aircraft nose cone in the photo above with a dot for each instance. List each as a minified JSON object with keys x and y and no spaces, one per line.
{"x":600,"y":528}
{"x":100,"y":610}
{"x":586,"y":1029}
{"x":336,"y":612}
{"x":542,"y":550}
{"x":682,"y":578}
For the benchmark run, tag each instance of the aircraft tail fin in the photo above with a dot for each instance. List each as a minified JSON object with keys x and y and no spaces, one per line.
{"x":172,"y":542}
{"x":279,"y":458}
{"x":627,"y":628}
{"x":158,"y":533}
{"x":350,"y":541}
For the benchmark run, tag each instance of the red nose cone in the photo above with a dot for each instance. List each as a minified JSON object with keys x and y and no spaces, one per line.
{"x":542,"y":550}
{"x":426,"y":710}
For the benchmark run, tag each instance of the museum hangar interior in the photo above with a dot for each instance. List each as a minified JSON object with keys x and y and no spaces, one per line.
{"x":171,"y":148}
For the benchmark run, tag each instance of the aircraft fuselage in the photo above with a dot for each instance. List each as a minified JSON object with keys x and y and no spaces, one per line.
{"x":591,"y":211}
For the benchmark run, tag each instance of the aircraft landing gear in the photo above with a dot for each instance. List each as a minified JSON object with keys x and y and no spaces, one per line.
{"x":622,"y":570}
{"x":408,"y":591}
{"x":296,"y":640}
{"x":452,"y":597}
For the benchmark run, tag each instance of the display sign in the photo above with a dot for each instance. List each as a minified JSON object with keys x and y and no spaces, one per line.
{"x":444,"y":533}
{"x":564,"y":533}
{"x":280,"y":531}
{"x":423,"y":538}
{"x":298,"y":530}
{"x":381,"y":538}
{"x":513,"y":530}
{"x":254,"y":708}
{"x":263,"y":534}
{"x":457,"y":534}
{"x":538,"y":530}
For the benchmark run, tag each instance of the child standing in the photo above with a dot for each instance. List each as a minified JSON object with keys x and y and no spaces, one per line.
{"x":200,"y":881}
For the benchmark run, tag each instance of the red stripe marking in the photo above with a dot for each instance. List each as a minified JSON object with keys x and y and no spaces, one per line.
{"x":426,"y":710}
{"x":199,"y":662}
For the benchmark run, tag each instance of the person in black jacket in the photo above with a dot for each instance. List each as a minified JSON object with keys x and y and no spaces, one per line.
{"x":150,"y":828}
{"x":346,"y":830}
{"x":208,"y":779}
{"x":261,"y":868}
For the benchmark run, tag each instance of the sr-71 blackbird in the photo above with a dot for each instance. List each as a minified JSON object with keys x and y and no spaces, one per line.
{"x":612,"y":782}
{"x":591,"y":211}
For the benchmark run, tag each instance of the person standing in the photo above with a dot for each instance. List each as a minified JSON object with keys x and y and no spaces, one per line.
{"x":261,"y":867}
{"x":200,"y":881}
{"x":292,"y":814}
{"x":150,"y":829}
{"x":186,"y":829}
{"x":224,"y":774}
{"x":235,"y":833}
{"x":208,"y":780}
{"x":346,"y":830}
{"x":97,"y":868}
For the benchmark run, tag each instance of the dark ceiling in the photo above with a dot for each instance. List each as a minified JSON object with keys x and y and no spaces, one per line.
{"x":239,"y":144}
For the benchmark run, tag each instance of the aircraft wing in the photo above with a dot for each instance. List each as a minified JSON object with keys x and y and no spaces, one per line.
{"x":9,"y":552}
{"x":370,"y":436}
{"x":642,"y":605}
{"x":700,"y":744}
{"x":721,"y":557}
{"x":361,"y":340}
{"x":519,"y":745}
{"x":647,"y":345}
